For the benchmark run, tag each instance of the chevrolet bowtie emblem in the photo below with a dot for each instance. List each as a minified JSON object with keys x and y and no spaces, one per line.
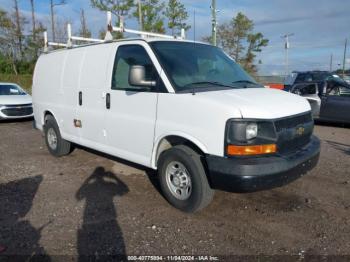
{"x":300,"y":130}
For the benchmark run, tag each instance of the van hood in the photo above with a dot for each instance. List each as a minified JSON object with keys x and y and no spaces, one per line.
{"x":259,"y":103}
{"x":15,"y":100}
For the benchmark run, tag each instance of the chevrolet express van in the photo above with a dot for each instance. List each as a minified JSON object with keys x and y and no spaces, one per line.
{"x":184,"y":109}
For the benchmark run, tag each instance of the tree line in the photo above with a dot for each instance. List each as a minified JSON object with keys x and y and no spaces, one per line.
{"x":21,"y":37}
{"x":152,"y":15}
{"x":19,"y":46}
{"x":238,"y":38}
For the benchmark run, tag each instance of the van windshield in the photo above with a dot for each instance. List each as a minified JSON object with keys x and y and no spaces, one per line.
{"x":200,"y":67}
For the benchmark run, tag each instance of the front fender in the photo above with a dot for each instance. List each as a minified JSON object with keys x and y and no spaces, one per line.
{"x":186,"y":136}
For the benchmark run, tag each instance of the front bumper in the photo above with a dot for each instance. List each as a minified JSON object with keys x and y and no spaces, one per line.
{"x":261,"y":173}
{"x":16,"y":111}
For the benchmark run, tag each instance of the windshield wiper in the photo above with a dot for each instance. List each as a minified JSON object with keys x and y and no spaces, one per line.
{"x":245,"y":81}
{"x":208,"y":83}
{"x":192,"y":86}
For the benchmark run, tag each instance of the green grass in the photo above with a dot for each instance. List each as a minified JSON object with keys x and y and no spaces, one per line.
{"x":24,"y":81}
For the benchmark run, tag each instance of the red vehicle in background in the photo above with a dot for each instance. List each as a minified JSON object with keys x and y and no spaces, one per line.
{"x":275,"y":86}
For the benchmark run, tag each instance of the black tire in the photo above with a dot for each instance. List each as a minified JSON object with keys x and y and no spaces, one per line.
{"x":63,"y":147}
{"x":201,"y":193}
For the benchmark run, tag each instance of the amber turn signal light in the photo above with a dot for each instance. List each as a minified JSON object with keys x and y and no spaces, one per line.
{"x":233,"y":150}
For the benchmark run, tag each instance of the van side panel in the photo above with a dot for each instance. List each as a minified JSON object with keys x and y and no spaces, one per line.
{"x":95,"y":67}
{"x":47,"y":92}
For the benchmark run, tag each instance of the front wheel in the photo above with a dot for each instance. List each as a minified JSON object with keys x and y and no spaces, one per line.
{"x":183,"y":179}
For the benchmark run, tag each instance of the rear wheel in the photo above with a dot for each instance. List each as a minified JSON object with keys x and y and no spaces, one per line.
{"x":183,"y":179}
{"x":56,"y":145}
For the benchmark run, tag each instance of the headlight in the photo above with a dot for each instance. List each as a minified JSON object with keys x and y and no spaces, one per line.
{"x":241,"y":131}
{"x":249,"y":137}
{"x":251,"y":131}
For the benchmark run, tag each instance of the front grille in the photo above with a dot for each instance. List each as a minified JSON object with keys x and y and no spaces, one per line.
{"x":17,"y":111}
{"x":288,"y":146}
{"x":292,"y":122}
{"x":22,"y":105}
{"x":289,"y":137}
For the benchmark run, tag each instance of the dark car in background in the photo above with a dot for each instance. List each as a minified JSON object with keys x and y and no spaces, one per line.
{"x":322,"y":78}
{"x":347,"y":79}
{"x":327,"y":93}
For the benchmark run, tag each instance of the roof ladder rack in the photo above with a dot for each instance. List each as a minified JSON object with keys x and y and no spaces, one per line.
{"x":47,"y":43}
{"x":70,"y":40}
{"x":108,"y":37}
{"x":143,"y":34}
{"x":79,"y":38}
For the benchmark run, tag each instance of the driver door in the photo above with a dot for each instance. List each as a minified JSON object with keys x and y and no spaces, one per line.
{"x":132,"y":110}
{"x":335,"y":106}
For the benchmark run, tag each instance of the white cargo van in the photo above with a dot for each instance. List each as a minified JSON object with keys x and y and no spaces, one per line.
{"x":184,"y":109}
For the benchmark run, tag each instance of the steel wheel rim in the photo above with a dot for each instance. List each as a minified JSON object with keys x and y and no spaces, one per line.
{"x":178,"y":180}
{"x":52,"y":138}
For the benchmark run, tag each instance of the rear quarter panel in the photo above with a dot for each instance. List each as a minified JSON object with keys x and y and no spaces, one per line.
{"x":47,"y":82}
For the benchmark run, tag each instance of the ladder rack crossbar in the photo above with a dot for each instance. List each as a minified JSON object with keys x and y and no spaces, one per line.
{"x":59,"y":44}
{"x":122,"y":29}
{"x":142,"y":33}
{"x":56,"y":44}
{"x":79,"y":38}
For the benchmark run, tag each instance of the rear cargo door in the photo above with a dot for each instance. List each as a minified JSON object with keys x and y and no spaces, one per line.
{"x":91,"y":95}
{"x":69,"y":91}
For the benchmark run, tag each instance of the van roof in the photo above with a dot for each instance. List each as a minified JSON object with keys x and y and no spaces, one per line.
{"x":148,"y":40}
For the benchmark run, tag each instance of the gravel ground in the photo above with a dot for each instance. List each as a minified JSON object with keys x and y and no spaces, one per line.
{"x":62,"y":207}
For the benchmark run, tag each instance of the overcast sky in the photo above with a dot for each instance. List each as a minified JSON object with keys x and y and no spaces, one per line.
{"x":320,"y":26}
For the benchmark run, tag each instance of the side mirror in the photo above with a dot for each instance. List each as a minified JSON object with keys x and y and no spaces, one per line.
{"x":137,"y":75}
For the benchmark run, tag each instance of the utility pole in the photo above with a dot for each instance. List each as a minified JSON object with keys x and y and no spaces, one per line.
{"x":19,"y":34}
{"x":140,"y":15}
{"x":52,"y":5}
{"x":52,"y":21}
{"x":33,"y":19}
{"x":214,"y":22}
{"x":331,"y":64}
{"x":287,"y":46}
{"x":84,"y":31}
{"x":344,"y":60}
{"x":194,"y":25}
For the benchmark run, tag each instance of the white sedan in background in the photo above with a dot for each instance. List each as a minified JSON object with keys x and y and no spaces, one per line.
{"x":14,"y":102}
